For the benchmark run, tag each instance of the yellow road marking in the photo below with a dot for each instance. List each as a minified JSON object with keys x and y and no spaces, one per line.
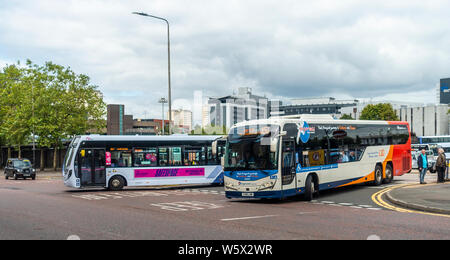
{"x":378,"y":199}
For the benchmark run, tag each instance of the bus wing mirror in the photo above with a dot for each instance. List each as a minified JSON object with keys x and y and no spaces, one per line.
{"x":222,"y":161}
{"x":274,"y":142}
{"x":214,"y":148}
{"x":274,"y":145}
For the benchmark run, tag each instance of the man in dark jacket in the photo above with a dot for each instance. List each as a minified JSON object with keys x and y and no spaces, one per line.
{"x":422,"y":162}
{"x":441,"y":165}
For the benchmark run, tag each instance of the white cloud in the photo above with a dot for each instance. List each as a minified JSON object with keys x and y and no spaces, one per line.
{"x":349,"y":48}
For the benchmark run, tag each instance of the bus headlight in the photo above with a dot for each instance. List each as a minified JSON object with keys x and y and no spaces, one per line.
{"x":267,"y":185}
{"x":230,"y":186}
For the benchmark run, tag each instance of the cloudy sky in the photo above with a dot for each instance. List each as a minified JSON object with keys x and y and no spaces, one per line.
{"x":387,"y":50}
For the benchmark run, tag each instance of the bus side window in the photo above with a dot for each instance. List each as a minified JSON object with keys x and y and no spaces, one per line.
{"x":163,"y":157}
{"x":175,"y":156}
{"x":194,"y":156}
{"x":121,"y":159}
{"x":145,"y":157}
{"x":211,"y":158}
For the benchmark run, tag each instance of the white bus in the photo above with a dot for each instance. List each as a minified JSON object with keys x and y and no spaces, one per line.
{"x":114,"y":162}
{"x":278,"y":158}
{"x":439,"y":139}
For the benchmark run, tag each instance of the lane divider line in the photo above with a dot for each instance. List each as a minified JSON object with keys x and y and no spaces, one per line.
{"x":244,"y":218}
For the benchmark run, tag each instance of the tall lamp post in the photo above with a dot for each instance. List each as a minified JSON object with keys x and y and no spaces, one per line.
{"x":168,"y":62}
{"x":163,"y":101}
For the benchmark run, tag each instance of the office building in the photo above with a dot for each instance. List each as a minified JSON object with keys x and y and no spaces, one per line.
{"x":182,"y":121}
{"x":427,"y":120}
{"x":229,"y":110}
{"x":118,"y":123}
{"x":321,"y":105}
{"x":147,"y":127}
{"x":115,"y":119}
{"x":444,"y":91}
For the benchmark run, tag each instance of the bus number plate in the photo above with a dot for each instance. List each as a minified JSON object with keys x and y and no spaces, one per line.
{"x":248,"y":194}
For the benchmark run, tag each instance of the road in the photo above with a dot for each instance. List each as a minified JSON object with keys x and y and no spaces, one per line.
{"x":46,"y":209}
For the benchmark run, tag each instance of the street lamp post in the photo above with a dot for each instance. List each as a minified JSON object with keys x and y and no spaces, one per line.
{"x":168,"y":63}
{"x":34,"y":137}
{"x":163,"y":101}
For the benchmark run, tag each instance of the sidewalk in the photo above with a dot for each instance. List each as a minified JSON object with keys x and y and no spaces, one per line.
{"x":49,"y":174}
{"x":432,"y":197}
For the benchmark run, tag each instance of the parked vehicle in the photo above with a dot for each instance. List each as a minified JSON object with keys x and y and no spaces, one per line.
{"x":431,"y":159}
{"x":19,"y":168}
{"x":114,"y":162}
{"x":446,"y":148}
{"x":299,"y":155}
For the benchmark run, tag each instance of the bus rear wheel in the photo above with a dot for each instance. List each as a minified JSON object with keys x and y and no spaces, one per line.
{"x":116,"y":183}
{"x":389,"y":172}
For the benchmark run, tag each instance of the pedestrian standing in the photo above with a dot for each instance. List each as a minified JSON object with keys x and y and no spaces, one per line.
{"x":440,"y":165}
{"x":422,"y":162}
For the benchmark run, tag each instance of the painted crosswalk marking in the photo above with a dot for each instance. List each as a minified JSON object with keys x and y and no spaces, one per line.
{"x":186,"y":205}
{"x":136,"y":194}
{"x":344,"y":204}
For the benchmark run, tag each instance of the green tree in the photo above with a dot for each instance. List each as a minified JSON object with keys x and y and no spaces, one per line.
{"x":66,"y":104}
{"x":51,"y":101}
{"x":209,"y":130}
{"x":381,"y":111}
{"x":347,"y":117}
{"x":15,"y":108}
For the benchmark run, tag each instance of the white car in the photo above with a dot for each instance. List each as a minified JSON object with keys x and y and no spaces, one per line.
{"x":431,"y":160}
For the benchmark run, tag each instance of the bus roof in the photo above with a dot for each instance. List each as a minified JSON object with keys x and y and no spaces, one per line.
{"x":434,"y":136}
{"x":318,"y":120}
{"x":150,"y":138}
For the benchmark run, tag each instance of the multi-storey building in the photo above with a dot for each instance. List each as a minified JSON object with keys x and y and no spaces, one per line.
{"x":229,"y":110}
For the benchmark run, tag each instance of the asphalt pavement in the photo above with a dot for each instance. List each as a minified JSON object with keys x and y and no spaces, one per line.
{"x":431,"y":197}
{"x":45,"y":209}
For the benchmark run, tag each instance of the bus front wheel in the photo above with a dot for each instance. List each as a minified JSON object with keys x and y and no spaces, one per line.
{"x":310,"y":188}
{"x":378,"y":175}
{"x":116,"y":183}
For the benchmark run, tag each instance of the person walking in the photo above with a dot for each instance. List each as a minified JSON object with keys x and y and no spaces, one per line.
{"x":440,"y":165}
{"x":422,"y":162}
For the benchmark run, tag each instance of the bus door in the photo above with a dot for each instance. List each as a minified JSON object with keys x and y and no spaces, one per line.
{"x":92,"y":167}
{"x":288,"y":169}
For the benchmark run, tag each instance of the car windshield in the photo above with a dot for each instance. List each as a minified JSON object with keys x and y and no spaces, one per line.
{"x":22,"y":164}
{"x":249,"y":148}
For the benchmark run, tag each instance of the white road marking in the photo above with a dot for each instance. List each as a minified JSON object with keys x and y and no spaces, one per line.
{"x":186,"y":205}
{"x":244,"y":218}
{"x":344,"y":204}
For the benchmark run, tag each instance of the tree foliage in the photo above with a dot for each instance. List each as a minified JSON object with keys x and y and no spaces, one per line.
{"x":381,"y":111}
{"x":15,"y":110}
{"x":347,"y":117}
{"x":49,"y":100}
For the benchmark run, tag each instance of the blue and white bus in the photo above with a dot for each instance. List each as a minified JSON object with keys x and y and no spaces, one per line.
{"x":283,"y":157}
{"x":114,"y":162}
{"x":439,"y":139}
